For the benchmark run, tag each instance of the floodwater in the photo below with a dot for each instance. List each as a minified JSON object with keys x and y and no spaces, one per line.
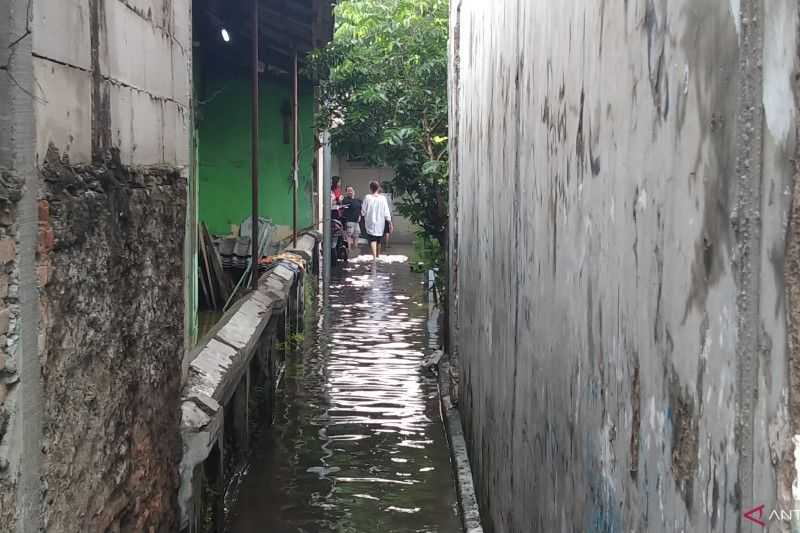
{"x":357,"y":444}
{"x":207,"y":319}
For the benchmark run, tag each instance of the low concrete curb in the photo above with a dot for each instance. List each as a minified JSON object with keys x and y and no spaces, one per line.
{"x":468,"y":502}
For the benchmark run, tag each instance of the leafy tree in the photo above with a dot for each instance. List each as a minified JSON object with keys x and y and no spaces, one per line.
{"x":383,"y":92}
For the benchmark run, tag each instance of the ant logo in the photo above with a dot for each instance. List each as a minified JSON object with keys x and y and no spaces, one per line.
{"x":755,"y":514}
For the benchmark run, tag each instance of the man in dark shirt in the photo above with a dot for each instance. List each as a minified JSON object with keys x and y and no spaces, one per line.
{"x":352,"y":215}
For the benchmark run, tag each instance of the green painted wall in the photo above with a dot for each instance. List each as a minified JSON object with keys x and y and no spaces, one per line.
{"x":224,"y":146}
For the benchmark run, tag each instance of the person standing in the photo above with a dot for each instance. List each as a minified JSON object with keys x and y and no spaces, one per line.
{"x":352,"y":217}
{"x":336,"y":198}
{"x":387,"y":228}
{"x":377,"y":217}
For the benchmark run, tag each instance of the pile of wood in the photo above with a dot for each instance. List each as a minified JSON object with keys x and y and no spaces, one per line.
{"x":215,"y":284}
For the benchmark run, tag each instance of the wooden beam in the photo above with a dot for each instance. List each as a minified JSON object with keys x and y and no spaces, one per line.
{"x":289,"y":26}
{"x":286,"y":39}
{"x":255,"y":149}
{"x":295,"y":146}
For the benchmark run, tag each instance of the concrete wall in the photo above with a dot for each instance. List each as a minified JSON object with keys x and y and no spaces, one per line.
{"x":622,"y":300}
{"x":94,"y":101}
{"x":358,"y":175}
{"x":113,"y":74}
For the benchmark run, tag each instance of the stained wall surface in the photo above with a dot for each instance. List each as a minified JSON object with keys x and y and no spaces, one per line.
{"x":113,"y":74}
{"x":94,"y":147}
{"x":621,"y":302}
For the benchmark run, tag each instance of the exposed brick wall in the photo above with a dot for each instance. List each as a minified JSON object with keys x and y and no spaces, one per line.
{"x":94,"y":270}
{"x":10,"y":193}
{"x":111,"y":264}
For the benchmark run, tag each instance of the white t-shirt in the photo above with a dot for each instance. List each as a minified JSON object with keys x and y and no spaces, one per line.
{"x":375,"y":211}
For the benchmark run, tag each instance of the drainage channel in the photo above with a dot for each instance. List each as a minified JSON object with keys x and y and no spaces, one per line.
{"x":357,"y":444}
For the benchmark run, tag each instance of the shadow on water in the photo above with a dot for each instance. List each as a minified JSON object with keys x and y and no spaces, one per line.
{"x":357,"y":443}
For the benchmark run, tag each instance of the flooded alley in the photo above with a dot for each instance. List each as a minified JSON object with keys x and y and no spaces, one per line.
{"x":357,"y":444}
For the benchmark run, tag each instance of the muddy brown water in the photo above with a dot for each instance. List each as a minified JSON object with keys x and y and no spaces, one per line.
{"x":357,"y":443}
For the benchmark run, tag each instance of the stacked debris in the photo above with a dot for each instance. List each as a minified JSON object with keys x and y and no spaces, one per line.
{"x":215,"y":284}
{"x":235,"y":252}
{"x":225,"y":262}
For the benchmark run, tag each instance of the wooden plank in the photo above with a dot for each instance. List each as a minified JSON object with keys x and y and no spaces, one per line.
{"x":215,"y":261}
{"x":202,"y":274}
{"x":207,"y":270}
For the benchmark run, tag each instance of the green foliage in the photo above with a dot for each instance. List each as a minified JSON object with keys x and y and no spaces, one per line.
{"x":428,"y":253}
{"x":383,"y":85}
{"x":292,"y":344}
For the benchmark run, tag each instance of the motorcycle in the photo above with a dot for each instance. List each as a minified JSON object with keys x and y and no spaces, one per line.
{"x":339,"y":249}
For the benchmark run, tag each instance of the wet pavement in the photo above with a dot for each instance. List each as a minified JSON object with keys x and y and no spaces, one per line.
{"x":357,"y":443}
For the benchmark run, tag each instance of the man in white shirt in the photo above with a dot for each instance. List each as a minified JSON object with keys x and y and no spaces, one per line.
{"x":376,"y":213}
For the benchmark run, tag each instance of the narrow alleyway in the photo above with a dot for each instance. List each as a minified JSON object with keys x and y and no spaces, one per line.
{"x":357,"y":444}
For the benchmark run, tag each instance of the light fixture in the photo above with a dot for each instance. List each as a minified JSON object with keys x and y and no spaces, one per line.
{"x":225,"y":35}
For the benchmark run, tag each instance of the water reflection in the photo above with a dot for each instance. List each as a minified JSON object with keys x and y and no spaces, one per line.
{"x":357,"y":444}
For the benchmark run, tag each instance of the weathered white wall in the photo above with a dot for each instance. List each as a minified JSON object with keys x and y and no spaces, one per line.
{"x":621,"y":192}
{"x":359,"y":176}
{"x":131,"y":94}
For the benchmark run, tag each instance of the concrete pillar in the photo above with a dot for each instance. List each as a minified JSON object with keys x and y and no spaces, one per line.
{"x":269,"y":376}
{"x":282,"y":333}
{"x":315,"y":260}
{"x":297,"y":305}
{"x":21,"y":390}
{"x":301,"y":301}
{"x":198,"y":492}
{"x":326,"y":211}
{"x":218,"y":485}
{"x":241,"y":416}
{"x":291,"y":307}
{"x":451,"y":331}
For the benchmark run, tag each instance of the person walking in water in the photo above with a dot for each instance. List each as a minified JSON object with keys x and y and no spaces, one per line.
{"x":387,"y":228}
{"x":352,"y":215}
{"x":375,"y":210}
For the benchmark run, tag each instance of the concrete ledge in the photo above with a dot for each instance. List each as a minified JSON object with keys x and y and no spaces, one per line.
{"x":217,"y":366}
{"x":305,"y":245}
{"x":468,"y":502}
